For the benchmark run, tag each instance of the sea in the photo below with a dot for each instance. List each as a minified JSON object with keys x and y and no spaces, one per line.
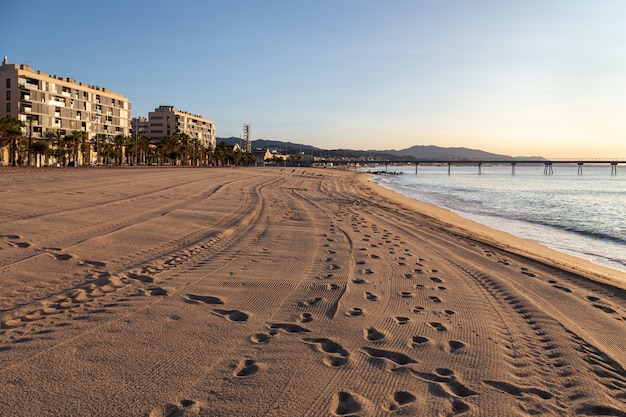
{"x":581,"y":215}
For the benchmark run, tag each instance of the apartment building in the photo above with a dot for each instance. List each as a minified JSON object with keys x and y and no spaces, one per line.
{"x":61,"y":105}
{"x":166,"y":120}
{"x":139,"y":127}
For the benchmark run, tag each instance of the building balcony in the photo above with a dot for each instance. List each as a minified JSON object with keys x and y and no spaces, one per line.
{"x":29,"y":86}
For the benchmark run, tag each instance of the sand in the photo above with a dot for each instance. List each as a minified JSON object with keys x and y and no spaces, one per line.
{"x":287,"y":292}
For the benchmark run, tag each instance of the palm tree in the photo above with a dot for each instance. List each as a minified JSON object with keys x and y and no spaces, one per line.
{"x":168,"y":149}
{"x":96,"y":143}
{"x":39,"y":148}
{"x":31,"y":120}
{"x":182,"y":143}
{"x":142,"y":147}
{"x":11,"y":131}
{"x":121,"y":142}
{"x":59,"y":151}
{"x":74,"y":140}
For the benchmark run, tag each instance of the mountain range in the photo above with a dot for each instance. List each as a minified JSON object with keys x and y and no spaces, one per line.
{"x":414,"y":152}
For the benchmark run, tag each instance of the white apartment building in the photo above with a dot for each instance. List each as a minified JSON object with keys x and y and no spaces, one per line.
{"x":166,"y":120}
{"x":61,"y":105}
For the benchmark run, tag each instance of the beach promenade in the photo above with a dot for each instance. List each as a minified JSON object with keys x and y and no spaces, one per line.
{"x":165,"y":292}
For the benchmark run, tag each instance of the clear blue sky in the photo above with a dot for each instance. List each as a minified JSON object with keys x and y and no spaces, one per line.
{"x":514,"y":77}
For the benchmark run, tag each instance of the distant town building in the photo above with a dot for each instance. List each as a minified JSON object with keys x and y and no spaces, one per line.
{"x":166,"y":120}
{"x":49,"y":105}
{"x":139,"y":127}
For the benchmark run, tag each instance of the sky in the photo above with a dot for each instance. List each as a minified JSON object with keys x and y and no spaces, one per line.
{"x":521,"y":78}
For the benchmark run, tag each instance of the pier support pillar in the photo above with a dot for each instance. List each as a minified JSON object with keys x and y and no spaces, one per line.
{"x":416,"y":168}
{"x":580,"y":168}
{"x":479,"y":168}
{"x":449,"y":165}
{"x":613,"y":168}
{"x":547,"y":170}
{"x":513,"y":168}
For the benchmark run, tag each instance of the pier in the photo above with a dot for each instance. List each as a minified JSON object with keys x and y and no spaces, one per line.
{"x":547,"y":163}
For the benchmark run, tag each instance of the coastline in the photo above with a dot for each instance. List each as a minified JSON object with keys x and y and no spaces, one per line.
{"x":506,"y":241}
{"x":164,"y":292}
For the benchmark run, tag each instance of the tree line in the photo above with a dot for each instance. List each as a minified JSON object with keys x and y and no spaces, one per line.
{"x":73,"y":148}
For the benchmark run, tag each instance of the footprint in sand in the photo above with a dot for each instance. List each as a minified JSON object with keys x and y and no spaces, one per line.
{"x":359,"y":281}
{"x":141,"y":278}
{"x":437,"y":280}
{"x":306,"y":317}
{"x":445,"y":376}
{"x":606,"y":309}
{"x":260,"y":338}
{"x":95,"y":263}
{"x":417,"y":341}
{"x":406,"y":294}
{"x":371,"y":296}
{"x":354,"y":312}
{"x":204,"y":299}
{"x":560,"y":287}
{"x":337,"y":355}
{"x":418,"y":309}
{"x":399,"y":400}
{"x":309,"y":302}
{"x":62,"y":256}
{"x":288,"y":327}
{"x":232,"y":315}
{"x":157,"y":291}
{"x":373,"y":335}
{"x":184,"y":408}
{"x":438,"y":326}
{"x":246,"y":367}
{"x":345,"y":404}
{"x":401,"y":320}
{"x":455,"y":346}
{"x":388,"y":355}
{"x":434,"y":299}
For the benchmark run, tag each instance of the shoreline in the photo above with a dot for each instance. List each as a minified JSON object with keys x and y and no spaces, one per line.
{"x":504,"y":240}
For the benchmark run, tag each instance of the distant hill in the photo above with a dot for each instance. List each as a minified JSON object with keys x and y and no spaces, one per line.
{"x":414,"y":152}
{"x":436,"y":152}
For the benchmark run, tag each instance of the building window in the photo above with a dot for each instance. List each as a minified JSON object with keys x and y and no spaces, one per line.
{"x":8,"y":83}
{"x":8,"y":95}
{"x":8,"y":107}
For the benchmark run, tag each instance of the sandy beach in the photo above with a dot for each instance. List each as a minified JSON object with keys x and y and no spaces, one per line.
{"x":164,"y":292}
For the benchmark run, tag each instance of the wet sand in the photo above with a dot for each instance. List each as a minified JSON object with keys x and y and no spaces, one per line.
{"x":287,"y":292}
